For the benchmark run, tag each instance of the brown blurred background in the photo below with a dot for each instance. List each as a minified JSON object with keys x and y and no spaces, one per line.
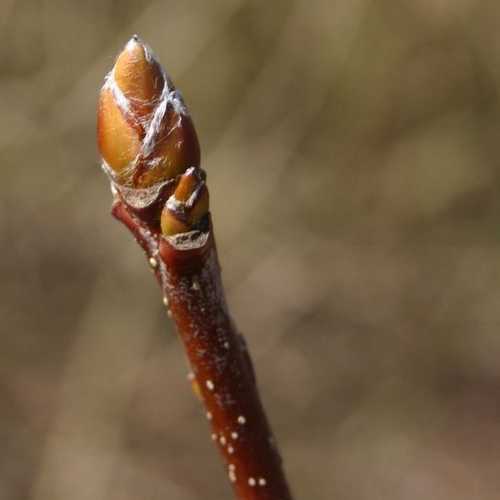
{"x":352,"y":151}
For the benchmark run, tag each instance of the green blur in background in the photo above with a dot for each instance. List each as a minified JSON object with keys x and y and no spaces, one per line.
{"x":352,"y":155}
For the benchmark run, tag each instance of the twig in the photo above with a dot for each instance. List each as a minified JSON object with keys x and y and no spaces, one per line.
{"x":151,"y":153}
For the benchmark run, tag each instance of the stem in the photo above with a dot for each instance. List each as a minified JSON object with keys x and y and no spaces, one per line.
{"x":187,"y":268}
{"x":151,"y":153}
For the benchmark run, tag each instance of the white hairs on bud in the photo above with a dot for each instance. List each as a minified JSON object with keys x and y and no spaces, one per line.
{"x":153,"y":123}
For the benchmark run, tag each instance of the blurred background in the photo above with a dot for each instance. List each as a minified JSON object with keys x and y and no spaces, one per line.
{"x":352,"y":152}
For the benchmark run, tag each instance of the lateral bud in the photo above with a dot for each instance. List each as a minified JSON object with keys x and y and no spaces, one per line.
{"x":188,"y":206}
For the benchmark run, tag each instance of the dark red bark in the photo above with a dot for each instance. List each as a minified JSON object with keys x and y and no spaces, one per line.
{"x":188,"y":271}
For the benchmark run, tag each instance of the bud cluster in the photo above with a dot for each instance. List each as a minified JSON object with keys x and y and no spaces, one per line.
{"x":146,"y":136}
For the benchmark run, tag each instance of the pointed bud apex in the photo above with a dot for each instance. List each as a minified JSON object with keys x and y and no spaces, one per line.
{"x":139,"y":76}
{"x":145,"y":134}
{"x":188,"y":206}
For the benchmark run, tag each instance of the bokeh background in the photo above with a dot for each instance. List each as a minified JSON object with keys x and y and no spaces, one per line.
{"x":352,"y":150}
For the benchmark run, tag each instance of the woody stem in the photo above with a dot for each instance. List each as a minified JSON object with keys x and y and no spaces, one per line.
{"x":188,"y":271}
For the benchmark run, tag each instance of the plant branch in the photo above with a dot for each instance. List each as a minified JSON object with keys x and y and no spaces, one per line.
{"x":165,"y":206}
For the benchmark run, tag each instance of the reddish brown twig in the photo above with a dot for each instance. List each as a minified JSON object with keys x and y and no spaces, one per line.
{"x":149,"y":185}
